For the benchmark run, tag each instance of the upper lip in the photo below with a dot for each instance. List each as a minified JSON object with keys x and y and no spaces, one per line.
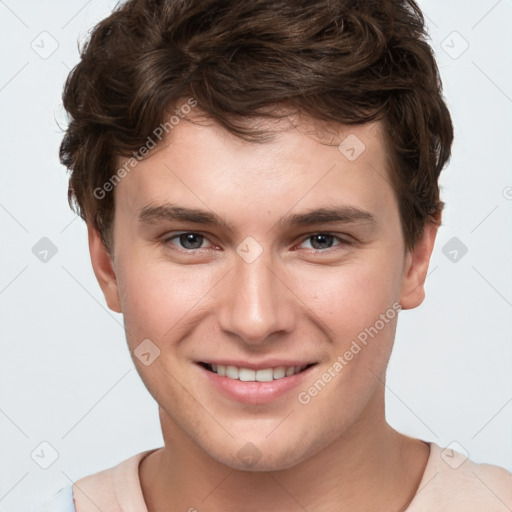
{"x":269,"y":363}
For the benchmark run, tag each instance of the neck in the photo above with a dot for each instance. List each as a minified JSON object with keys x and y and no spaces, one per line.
{"x":369,"y":467}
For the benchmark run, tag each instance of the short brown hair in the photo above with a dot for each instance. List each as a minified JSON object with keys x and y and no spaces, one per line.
{"x":343,"y":61}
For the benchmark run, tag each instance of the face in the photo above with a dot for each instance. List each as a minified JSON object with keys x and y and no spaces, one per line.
{"x":266,"y":281}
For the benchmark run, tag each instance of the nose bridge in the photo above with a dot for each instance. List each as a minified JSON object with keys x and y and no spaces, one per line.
{"x":255,"y":303}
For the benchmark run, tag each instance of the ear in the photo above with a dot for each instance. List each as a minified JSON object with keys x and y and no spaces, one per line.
{"x":416,"y":268}
{"x":104,"y":269}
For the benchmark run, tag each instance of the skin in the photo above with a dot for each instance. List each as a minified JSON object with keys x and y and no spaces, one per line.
{"x":334,"y":453}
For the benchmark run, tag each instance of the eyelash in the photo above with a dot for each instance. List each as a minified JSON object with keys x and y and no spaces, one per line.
{"x":341,"y":242}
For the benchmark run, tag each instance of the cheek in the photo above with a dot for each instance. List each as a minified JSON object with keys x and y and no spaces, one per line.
{"x":157,"y":298}
{"x":358,"y":305}
{"x":349,"y":298}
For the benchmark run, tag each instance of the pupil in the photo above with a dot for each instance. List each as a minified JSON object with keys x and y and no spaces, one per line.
{"x":191,"y":240}
{"x":321,"y":241}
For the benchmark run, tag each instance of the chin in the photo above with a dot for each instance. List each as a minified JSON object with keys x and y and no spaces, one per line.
{"x":261,"y":462}
{"x":266,"y":455}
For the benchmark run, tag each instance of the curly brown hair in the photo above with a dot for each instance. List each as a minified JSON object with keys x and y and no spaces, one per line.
{"x":342,"y":61}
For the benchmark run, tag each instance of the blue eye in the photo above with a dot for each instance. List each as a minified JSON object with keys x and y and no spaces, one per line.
{"x":188,"y":241}
{"x":321,"y":241}
{"x":192,"y":241}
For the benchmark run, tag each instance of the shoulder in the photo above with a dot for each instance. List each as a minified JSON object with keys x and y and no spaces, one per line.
{"x":115,"y":488}
{"x":452,"y":482}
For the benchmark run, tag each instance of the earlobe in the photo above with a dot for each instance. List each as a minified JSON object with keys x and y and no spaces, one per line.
{"x":104,"y":270}
{"x":416,"y":268}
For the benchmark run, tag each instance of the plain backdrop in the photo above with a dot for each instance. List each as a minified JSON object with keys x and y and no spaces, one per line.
{"x":66,"y":377}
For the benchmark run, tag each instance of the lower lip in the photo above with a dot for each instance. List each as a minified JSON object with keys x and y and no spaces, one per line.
{"x":254,"y":392}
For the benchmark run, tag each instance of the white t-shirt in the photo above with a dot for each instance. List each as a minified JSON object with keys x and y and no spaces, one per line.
{"x":450,"y":483}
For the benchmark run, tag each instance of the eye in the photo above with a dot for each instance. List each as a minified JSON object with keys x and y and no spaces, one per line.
{"x":187,"y":241}
{"x":191,"y":241}
{"x":320,"y":241}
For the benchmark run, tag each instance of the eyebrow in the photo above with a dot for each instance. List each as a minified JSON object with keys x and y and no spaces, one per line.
{"x":152,"y":214}
{"x":345,"y":214}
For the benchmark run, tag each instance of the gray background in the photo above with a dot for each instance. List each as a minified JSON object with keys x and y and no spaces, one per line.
{"x":66,"y":377}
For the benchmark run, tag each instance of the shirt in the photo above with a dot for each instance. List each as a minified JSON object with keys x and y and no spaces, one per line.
{"x":450,"y":483}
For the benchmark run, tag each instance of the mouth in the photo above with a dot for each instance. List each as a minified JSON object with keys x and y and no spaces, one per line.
{"x":256,"y":384}
{"x":245,"y":374}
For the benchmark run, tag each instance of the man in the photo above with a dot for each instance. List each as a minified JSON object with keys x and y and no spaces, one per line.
{"x":260,"y":185}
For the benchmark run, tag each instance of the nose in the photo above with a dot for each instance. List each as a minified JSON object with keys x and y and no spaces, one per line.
{"x":256,"y":302}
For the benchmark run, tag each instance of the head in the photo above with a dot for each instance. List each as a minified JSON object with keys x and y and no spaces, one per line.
{"x":299,"y":144}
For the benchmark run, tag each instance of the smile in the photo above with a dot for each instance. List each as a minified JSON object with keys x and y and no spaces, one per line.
{"x":259,"y":383}
{"x":252,"y":375}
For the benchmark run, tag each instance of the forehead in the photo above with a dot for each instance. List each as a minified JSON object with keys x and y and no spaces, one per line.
{"x":303,"y":166}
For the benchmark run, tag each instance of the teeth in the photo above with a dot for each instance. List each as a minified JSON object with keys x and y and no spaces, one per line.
{"x":266,"y":375}
{"x":231,"y":372}
{"x":280,"y":372}
{"x":249,"y":375}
